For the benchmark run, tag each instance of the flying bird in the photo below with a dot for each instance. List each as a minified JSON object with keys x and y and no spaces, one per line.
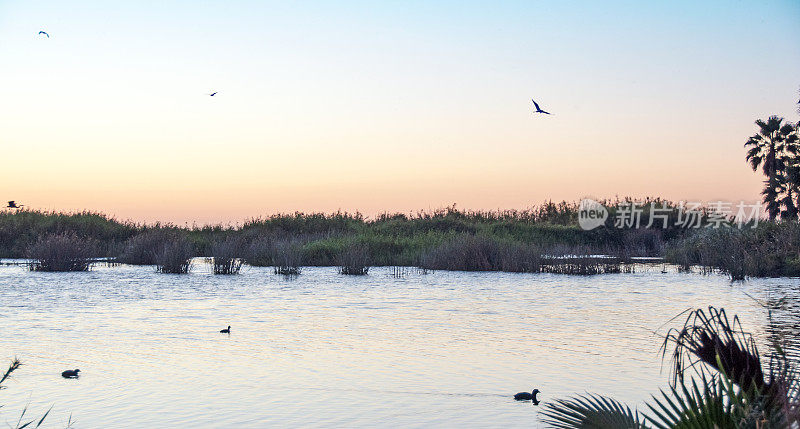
{"x":13,"y":205}
{"x":45,"y":33}
{"x":539,"y":109}
{"x":213,"y":94}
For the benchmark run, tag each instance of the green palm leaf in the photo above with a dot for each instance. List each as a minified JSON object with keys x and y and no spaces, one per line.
{"x":591,"y":411}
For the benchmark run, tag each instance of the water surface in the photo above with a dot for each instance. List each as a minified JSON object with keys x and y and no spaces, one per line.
{"x":324,"y":350}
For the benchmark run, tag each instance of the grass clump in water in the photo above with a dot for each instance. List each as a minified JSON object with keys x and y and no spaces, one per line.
{"x":288,"y":258}
{"x":771,"y":249}
{"x":175,"y":256}
{"x":226,"y":256}
{"x":142,"y":248}
{"x":582,"y":265}
{"x":354,"y":260}
{"x":468,"y":252}
{"x":60,"y":253}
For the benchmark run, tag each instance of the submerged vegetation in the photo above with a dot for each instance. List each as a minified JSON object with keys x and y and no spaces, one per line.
{"x":175,"y":256}
{"x":225,"y":255}
{"x":729,"y":385}
{"x":770,"y":249}
{"x":546,"y":238}
{"x":287,"y":258}
{"x":354,"y":261}
{"x":61,"y":252}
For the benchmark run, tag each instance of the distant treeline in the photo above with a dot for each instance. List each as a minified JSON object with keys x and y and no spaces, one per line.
{"x":513,"y":240}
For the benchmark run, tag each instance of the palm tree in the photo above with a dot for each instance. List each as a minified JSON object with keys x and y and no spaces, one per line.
{"x":790,"y":188}
{"x":767,"y":150}
{"x":790,"y":176}
{"x":732,"y":389}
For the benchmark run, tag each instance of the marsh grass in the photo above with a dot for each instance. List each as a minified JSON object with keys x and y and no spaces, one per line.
{"x":468,"y":252}
{"x":226,"y":256}
{"x":448,"y":239}
{"x":284,"y":254}
{"x":354,"y":260}
{"x":175,"y":256}
{"x":399,"y":272}
{"x":142,"y":248}
{"x":481,"y":253}
{"x":20,"y":229}
{"x":60,"y":253}
{"x":768,"y":250}
{"x":584,"y":265}
{"x":288,"y":257}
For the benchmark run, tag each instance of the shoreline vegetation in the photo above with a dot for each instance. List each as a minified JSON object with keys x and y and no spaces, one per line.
{"x":546,"y":238}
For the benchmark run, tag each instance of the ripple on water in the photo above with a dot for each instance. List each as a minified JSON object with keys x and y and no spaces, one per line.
{"x":326,"y":350}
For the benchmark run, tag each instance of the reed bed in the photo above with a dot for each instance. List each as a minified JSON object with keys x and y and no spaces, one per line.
{"x":226,"y":256}
{"x":444,"y":239}
{"x":21,"y":229}
{"x":288,"y":257}
{"x":284,"y":254}
{"x":61,"y":253}
{"x":480,"y":253}
{"x":769,"y":250}
{"x":175,"y":256}
{"x":584,"y":266}
{"x":354,"y":261}
{"x":143,"y":248}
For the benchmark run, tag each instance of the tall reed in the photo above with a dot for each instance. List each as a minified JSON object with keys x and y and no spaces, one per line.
{"x":354,"y":260}
{"x":468,"y":252}
{"x":768,"y":250}
{"x":288,"y":258}
{"x":175,"y":256}
{"x":226,"y":256}
{"x":142,"y":249}
{"x":61,"y":252}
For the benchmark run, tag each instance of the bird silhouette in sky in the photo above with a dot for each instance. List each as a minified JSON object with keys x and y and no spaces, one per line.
{"x":13,"y":205}
{"x":45,"y":33}
{"x":539,"y":109}
{"x":213,"y":94}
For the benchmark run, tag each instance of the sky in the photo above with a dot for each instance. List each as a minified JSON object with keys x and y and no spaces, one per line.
{"x":384,"y":106}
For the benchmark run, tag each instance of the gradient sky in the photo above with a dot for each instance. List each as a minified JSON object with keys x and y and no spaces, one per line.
{"x":383,"y":106}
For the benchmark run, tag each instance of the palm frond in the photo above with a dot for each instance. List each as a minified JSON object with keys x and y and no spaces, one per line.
{"x":592,"y":411}
{"x":709,"y":334}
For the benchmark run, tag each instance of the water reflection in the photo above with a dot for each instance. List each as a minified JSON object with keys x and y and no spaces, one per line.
{"x":321,"y":349}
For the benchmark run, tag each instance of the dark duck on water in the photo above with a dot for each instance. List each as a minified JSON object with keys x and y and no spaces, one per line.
{"x":525,"y":396}
{"x":70,"y":373}
{"x":226,"y":330}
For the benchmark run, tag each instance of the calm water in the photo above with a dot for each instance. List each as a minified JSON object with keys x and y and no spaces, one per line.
{"x":324,"y":350}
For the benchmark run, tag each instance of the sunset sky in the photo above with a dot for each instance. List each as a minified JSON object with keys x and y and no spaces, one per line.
{"x":383,"y":106}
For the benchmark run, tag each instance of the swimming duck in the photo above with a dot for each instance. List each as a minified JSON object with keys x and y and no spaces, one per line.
{"x":525,"y":396}
{"x":226,"y":331}
{"x":70,"y":373}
